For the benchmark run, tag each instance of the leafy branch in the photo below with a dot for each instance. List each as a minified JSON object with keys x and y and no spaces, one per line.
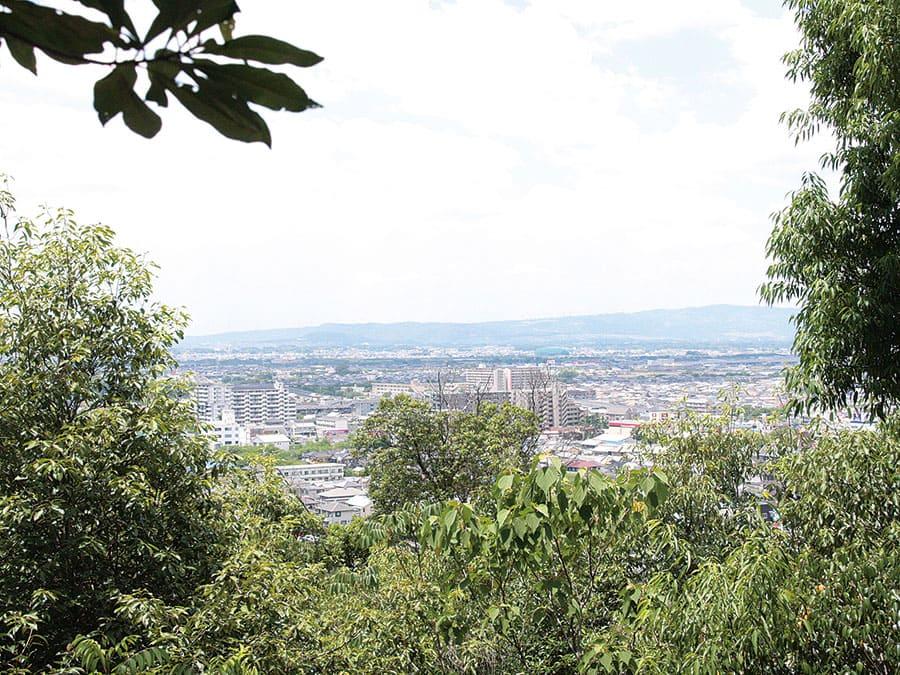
{"x":214,"y":80}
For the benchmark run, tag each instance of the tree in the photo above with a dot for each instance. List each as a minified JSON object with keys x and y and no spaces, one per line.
{"x":105,"y":488}
{"x":547,"y":559}
{"x":174,"y":55}
{"x":595,"y":422}
{"x":259,"y":612}
{"x":419,"y":454}
{"x":575,"y":571}
{"x":839,"y":256}
{"x":818,"y":595}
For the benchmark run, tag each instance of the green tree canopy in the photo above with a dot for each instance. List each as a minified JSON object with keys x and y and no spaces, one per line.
{"x":174,"y":55}
{"x":838,"y":256}
{"x":418,"y":454}
{"x":659,"y":572}
{"x":104,"y":486}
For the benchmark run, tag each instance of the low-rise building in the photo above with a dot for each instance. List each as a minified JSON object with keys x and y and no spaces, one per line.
{"x":227,"y":432}
{"x":333,"y":427}
{"x":342,"y":494}
{"x":391,"y":388}
{"x":363,"y":503}
{"x":306,"y":473}
{"x":301,"y":432}
{"x":336,"y":512}
{"x":279,"y":441}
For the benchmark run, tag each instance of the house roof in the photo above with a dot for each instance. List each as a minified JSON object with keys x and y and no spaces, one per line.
{"x":333,"y":507}
{"x":271,"y":438}
{"x":360,"y":501}
{"x":583,"y":464}
{"x":340,"y":493}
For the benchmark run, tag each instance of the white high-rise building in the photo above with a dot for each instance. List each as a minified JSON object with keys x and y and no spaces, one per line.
{"x":252,"y":404}
{"x":551,"y":405}
{"x":507,"y":379}
{"x":210,"y":398}
{"x":262,"y":404}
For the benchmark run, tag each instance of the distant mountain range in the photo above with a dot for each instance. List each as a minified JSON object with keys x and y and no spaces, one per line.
{"x":711,"y":325}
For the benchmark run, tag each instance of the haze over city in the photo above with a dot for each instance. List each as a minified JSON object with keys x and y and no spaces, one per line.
{"x":474,"y":160}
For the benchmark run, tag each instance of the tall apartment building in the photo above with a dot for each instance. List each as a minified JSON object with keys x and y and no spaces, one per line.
{"x":507,"y":379}
{"x":210,"y":398}
{"x":551,"y":405}
{"x":530,"y":387}
{"x":262,"y":403}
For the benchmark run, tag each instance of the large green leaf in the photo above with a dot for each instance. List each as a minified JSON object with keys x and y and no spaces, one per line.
{"x":61,"y":36}
{"x":115,"y":10}
{"x":546,"y":478}
{"x":115,"y":93}
{"x":230,"y":117}
{"x":265,"y":50}
{"x":273,"y":90}
{"x":178,"y":15}
{"x":22,"y":52}
{"x":111,"y":91}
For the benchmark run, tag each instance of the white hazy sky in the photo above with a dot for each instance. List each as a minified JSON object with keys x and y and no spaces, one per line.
{"x":474,"y":160}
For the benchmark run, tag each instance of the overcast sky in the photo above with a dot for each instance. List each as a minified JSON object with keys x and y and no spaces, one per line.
{"x":474,"y":160}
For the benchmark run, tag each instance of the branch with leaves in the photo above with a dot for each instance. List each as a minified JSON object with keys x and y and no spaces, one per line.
{"x":214,"y":80}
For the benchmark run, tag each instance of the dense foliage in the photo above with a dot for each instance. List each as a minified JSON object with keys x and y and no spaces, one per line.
{"x":104,"y":489}
{"x":174,"y":54}
{"x":838,"y":256}
{"x":556,"y":572}
{"x":416,"y":453}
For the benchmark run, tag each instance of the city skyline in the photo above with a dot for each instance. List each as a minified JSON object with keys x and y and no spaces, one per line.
{"x":573,"y":159}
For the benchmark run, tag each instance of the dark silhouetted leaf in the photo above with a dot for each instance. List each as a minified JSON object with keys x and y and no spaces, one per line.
{"x":115,"y":10}
{"x":61,"y":36}
{"x":162,"y":77}
{"x":227,"y":29}
{"x":258,"y":85}
{"x":115,"y":93}
{"x":139,"y":118}
{"x":230,"y":117}
{"x":110,"y":93}
{"x":178,"y":15}
{"x":265,"y":50}
{"x":156,"y":92}
{"x":23,"y":53}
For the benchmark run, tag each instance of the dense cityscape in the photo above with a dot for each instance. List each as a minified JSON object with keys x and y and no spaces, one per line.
{"x":304,"y":406}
